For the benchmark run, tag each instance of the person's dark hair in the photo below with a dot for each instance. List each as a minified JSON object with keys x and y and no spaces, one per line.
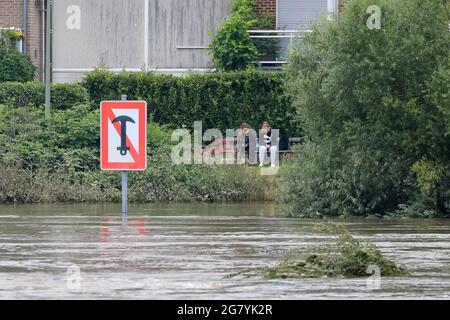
{"x":265,"y":122}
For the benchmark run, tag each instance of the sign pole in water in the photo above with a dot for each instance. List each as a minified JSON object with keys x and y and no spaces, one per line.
{"x":123,"y":139}
{"x":124,"y":173}
{"x":124,"y":192}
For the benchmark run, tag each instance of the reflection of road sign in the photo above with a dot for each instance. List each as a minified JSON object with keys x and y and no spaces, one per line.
{"x":123,"y":137}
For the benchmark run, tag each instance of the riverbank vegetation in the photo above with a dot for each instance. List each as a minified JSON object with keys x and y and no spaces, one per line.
{"x":374,"y":106}
{"x":346,"y":257}
{"x":56,"y":159}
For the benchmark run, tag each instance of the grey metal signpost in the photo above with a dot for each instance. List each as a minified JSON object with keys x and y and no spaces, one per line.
{"x":124,"y":180}
{"x":123,"y":139}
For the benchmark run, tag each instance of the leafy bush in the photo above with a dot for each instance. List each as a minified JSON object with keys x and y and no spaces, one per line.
{"x":374,"y":105}
{"x":14,"y":66}
{"x":104,"y":85}
{"x":232,"y":48}
{"x":63,"y":96}
{"x":19,"y":94}
{"x":69,"y":139}
{"x":220,"y":100}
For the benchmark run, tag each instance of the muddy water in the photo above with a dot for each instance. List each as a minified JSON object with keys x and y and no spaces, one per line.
{"x":186,"y":251}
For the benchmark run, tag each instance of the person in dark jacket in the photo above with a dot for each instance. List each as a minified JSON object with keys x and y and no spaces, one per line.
{"x":243,"y":142}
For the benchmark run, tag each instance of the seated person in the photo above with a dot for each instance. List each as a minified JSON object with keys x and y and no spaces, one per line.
{"x":267,"y":147}
{"x":242,"y":142}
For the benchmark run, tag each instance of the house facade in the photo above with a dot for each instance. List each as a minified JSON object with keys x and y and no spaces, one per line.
{"x":170,"y":36}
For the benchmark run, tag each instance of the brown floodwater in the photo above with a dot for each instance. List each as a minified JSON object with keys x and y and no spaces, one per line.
{"x":186,"y":251}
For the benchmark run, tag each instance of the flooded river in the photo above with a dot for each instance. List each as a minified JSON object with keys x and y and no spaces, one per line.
{"x":185,"y":251}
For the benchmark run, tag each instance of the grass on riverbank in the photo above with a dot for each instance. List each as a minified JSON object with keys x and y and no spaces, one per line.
{"x":347,"y":257}
{"x":160,"y":182}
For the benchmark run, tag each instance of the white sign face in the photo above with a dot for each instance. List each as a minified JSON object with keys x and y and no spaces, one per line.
{"x":123,"y":135}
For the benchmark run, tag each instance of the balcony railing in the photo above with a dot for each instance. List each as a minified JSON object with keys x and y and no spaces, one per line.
{"x":276,"y":44}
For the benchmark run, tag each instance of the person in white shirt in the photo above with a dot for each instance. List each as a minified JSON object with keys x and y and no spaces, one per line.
{"x":268,"y":146}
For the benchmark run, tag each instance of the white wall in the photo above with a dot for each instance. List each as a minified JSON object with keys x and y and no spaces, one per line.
{"x":121,"y":35}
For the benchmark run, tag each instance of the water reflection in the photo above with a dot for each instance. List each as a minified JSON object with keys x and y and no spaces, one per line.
{"x":126,"y":230}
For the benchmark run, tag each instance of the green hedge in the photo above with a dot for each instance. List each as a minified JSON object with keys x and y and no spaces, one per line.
{"x":221,"y":100}
{"x":63,"y":96}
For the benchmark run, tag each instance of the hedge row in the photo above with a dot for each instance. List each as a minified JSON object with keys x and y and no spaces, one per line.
{"x":63,"y":96}
{"x":221,"y":100}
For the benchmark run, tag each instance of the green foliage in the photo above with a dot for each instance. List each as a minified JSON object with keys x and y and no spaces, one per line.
{"x":427,"y":176}
{"x":373,"y":103}
{"x":54,"y":159}
{"x":63,"y":96}
{"x":438,"y":91}
{"x":220,"y":100}
{"x":103,"y":85}
{"x":433,"y":194}
{"x":69,"y":139}
{"x":8,"y":39}
{"x":160,"y":182}
{"x":232,"y":48}
{"x":243,"y":7}
{"x":19,"y":94}
{"x":33,"y":185}
{"x":15,"y":66}
{"x":164,"y":181}
{"x":158,"y":136}
{"x":347,"y":257}
{"x":350,"y":257}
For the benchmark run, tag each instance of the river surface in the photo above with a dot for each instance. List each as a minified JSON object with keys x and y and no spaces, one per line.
{"x":186,"y":251}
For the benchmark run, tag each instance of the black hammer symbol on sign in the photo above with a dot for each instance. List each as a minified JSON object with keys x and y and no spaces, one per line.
{"x":123,"y":148}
